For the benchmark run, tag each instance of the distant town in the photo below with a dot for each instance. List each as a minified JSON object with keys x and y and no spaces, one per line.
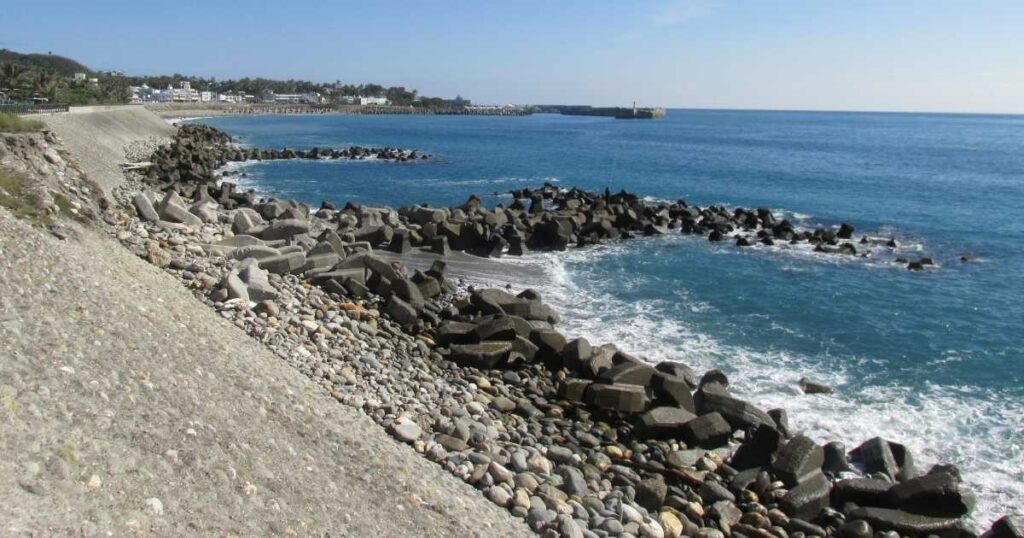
{"x":183,"y":92}
{"x":49,"y":82}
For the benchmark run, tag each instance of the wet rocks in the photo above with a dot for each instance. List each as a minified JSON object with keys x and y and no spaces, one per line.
{"x":579,"y":439}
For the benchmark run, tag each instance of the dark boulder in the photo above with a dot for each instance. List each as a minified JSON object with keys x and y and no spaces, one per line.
{"x":1006,"y":527}
{"x":881,"y":456}
{"x":672,"y":390}
{"x":808,"y":499}
{"x":758,"y":449}
{"x":798,"y":458}
{"x":400,"y":311}
{"x":285,"y":229}
{"x":936,"y":494}
{"x":575,"y":390}
{"x":713,"y":397}
{"x":810,"y":386}
{"x":678,"y":369}
{"x":707,"y":431}
{"x":400,"y":242}
{"x":485,"y":355}
{"x":862,"y":491}
{"x":907,"y":524}
{"x":620,"y":398}
{"x":550,"y":346}
{"x":499,"y":328}
{"x":663,"y":422}
{"x":408,"y":291}
{"x":575,"y":352}
{"x":651,"y":492}
{"x":835,"y":458}
{"x":627,"y":372}
{"x":857,"y":528}
{"x":455,"y":332}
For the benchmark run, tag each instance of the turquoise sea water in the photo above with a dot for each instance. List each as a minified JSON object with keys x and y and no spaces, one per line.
{"x":933,"y":359}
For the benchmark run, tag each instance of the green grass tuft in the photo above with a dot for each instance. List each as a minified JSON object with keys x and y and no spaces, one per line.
{"x":9,"y":123}
{"x":22,"y":202}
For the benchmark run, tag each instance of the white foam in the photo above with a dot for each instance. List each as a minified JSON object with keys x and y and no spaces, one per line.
{"x":981,"y":431}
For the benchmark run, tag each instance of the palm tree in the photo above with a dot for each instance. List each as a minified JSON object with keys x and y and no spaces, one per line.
{"x":9,"y":73}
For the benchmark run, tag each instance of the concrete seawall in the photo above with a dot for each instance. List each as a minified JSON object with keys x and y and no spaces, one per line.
{"x":97,"y":137}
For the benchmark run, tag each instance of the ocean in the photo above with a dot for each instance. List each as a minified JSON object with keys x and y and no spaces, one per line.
{"x":933,"y":359}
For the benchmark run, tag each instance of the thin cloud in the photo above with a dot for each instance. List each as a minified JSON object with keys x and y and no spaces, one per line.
{"x":669,"y":14}
{"x":680,"y":11}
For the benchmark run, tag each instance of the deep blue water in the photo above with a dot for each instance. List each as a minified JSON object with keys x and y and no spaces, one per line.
{"x":934,"y":359}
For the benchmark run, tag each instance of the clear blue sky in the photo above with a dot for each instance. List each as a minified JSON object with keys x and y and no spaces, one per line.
{"x":908,"y":55}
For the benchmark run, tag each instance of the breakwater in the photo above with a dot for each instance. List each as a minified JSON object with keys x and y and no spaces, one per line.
{"x":242,"y":109}
{"x":605,"y":442}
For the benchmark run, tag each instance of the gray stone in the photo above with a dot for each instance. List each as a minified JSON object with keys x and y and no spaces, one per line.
{"x":575,"y":390}
{"x":285,"y":229}
{"x":711,"y":492}
{"x":862,"y":491}
{"x":663,"y":422}
{"x":707,"y":431}
{"x":176,"y":213}
{"x":808,"y":499}
{"x":1006,"y":527}
{"x":621,"y":398}
{"x":905,"y":523}
{"x":798,"y":458}
{"x":407,"y":430}
{"x":455,"y":332}
{"x":628,"y":373}
{"x":144,"y":208}
{"x":573,"y":481}
{"x":402,"y":312}
{"x":672,"y":390}
{"x":408,"y":291}
{"x":877,"y":457}
{"x":485,"y":355}
{"x":284,"y":263}
{"x":936,"y":494}
{"x":713,"y":397}
{"x":651,"y":492}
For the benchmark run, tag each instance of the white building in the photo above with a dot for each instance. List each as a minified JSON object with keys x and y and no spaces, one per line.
{"x":206,"y":97}
{"x":184,"y":93}
{"x":311,"y":98}
{"x":79,"y":77}
{"x":377,"y":101}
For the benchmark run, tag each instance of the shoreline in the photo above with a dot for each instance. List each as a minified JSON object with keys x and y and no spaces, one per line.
{"x":516,"y":430}
{"x":618,"y":400}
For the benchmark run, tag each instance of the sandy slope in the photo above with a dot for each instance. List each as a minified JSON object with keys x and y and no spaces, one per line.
{"x":97,"y":137}
{"x":129,"y":407}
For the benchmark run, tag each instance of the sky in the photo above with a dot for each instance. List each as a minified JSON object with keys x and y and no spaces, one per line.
{"x":887,"y":55}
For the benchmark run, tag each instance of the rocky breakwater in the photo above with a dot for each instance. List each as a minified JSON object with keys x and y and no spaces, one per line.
{"x":551,"y":218}
{"x":681,"y":449}
{"x":197,"y":152}
{"x":578,"y":439}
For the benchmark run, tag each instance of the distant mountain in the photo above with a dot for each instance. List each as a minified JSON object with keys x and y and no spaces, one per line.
{"x":48,"y":62}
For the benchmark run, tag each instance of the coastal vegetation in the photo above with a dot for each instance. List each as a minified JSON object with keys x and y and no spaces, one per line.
{"x":20,"y":200}
{"x":9,"y":123}
{"x":59,"y":79}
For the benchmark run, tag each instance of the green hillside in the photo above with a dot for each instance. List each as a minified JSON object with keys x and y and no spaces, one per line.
{"x":48,"y":62}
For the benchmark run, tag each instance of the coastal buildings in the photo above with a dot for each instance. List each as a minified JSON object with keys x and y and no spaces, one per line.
{"x":373,"y":101}
{"x":185,"y":93}
{"x":309,"y":98}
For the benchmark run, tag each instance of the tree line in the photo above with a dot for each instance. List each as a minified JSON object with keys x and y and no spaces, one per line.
{"x":50,"y":77}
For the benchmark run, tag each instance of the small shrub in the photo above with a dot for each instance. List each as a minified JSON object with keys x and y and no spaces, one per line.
{"x":9,"y":123}
{"x":20,"y":200}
